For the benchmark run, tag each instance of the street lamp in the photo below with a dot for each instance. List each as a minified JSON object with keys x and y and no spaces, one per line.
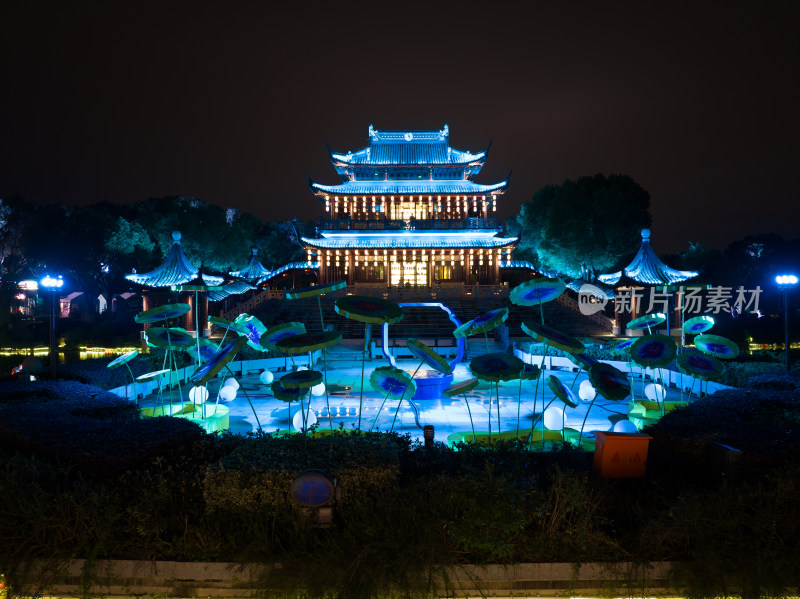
{"x":53,"y":284}
{"x":785,"y":284}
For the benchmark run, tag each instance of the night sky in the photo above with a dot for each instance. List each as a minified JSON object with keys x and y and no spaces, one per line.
{"x":231,"y":102}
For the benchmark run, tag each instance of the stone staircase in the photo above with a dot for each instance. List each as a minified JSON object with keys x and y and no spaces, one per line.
{"x":426,"y":323}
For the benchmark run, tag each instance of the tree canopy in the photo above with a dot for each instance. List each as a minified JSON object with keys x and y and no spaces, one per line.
{"x":95,"y":246}
{"x":584,"y":227}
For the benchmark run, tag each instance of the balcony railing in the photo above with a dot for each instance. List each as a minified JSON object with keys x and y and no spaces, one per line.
{"x":421,"y":224}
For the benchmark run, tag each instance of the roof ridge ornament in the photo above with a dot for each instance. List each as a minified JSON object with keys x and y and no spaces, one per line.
{"x":445,"y":132}
{"x":645,"y":234}
{"x":371,"y":132}
{"x":176,"y":237}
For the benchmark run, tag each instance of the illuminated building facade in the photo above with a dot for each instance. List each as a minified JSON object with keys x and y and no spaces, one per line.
{"x":408,"y":213}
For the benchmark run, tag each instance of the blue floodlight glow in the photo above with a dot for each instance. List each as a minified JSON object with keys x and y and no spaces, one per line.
{"x":52,"y":283}
{"x":786,"y":280}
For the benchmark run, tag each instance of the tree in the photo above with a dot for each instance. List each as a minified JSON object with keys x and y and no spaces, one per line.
{"x":584,"y":227}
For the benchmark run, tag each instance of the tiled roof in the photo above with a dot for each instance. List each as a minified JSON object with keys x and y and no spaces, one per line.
{"x":254,"y":272}
{"x":418,"y":187}
{"x":232,"y":288}
{"x":294,"y":266}
{"x":175,"y":270}
{"x":646,"y":268}
{"x":408,"y":148}
{"x":411,"y":240}
{"x":524,"y":264}
{"x":595,"y":289}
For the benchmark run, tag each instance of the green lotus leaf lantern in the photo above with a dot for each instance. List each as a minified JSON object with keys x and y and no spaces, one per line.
{"x":169,"y":338}
{"x":482,"y":323}
{"x":700,"y":366}
{"x":202,"y":351}
{"x":581,"y":360}
{"x":647,"y":321}
{"x":561,"y":391}
{"x":428,"y":356}
{"x":281,"y":331}
{"x":285,"y":394}
{"x":301,"y":379}
{"x":719,"y":347}
{"x":537,"y":291}
{"x":496,"y":367}
{"x":698,"y":325}
{"x":315,"y":290}
{"x":217,"y":362}
{"x":531,"y":372}
{"x":226,"y":324}
{"x":625,"y":343}
{"x":653,"y":351}
{"x":300,"y":344}
{"x":552,"y":337}
{"x":253,"y":329}
{"x":123,"y":359}
{"x":152,"y":376}
{"x":392,"y":382}
{"x":160,"y":313}
{"x":461,"y":387}
{"x":369,"y":310}
{"x":609,"y":382}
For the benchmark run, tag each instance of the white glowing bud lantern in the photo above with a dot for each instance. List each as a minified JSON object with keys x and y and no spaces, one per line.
{"x":655,"y":392}
{"x":231,"y":382}
{"x":586,"y":392}
{"x":227,"y":393}
{"x":266,"y":377}
{"x":318,"y":390}
{"x":553,"y":418}
{"x":625,"y":426}
{"x":297,"y":420}
{"x":198,"y":395}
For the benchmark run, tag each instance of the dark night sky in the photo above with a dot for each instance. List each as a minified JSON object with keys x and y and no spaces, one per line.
{"x":231,"y":102}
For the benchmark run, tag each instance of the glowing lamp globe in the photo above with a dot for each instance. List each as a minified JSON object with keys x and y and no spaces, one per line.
{"x":53,"y":283}
{"x":227,"y":393}
{"x":554,"y":418}
{"x":655,"y":392}
{"x":318,"y":390}
{"x":625,"y":426}
{"x":586,"y":392}
{"x":231,"y":382}
{"x":198,"y":395}
{"x":266,"y":377}
{"x":786,"y":280}
{"x":297,"y":420}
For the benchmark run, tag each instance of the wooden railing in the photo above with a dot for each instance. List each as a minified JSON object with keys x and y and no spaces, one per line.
{"x":407,"y":225}
{"x":598,"y":317}
{"x":429,"y":293}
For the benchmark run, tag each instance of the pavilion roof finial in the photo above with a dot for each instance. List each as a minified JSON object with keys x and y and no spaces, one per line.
{"x":645,"y":234}
{"x":176,"y":236}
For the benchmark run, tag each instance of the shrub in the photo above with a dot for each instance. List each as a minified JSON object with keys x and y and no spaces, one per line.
{"x":94,"y":429}
{"x":761,"y":423}
{"x":256,"y":475}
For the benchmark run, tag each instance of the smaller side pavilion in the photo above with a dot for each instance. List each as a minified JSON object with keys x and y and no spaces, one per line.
{"x":645,"y":270}
{"x":162,"y":283}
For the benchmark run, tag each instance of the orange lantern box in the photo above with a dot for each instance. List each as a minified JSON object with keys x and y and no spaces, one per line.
{"x":621,"y":455}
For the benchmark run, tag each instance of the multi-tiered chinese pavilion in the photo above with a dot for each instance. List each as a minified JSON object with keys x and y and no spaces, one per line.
{"x":408,"y":213}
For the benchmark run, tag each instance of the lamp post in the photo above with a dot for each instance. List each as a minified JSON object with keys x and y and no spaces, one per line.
{"x":785,"y":284}
{"x":52,"y":284}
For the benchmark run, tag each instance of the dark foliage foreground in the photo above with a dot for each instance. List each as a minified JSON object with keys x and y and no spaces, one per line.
{"x":85,"y":477}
